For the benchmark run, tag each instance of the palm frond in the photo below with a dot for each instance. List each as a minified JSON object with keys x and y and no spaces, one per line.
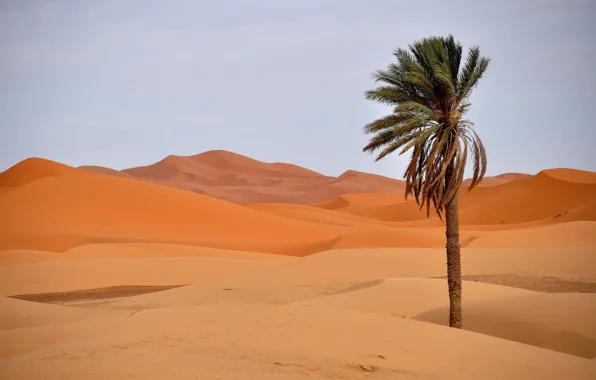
{"x":471,"y":73}
{"x":379,"y":140}
{"x":387,"y":122}
{"x":429,"y":91}
{"x":454,"y":52}
{"x":414,"y":108}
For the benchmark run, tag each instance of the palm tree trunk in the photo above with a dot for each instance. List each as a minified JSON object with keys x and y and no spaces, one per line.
{"x":453,"y":258}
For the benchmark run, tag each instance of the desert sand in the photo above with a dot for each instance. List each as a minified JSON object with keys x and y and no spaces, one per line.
{"x":218,"y":266}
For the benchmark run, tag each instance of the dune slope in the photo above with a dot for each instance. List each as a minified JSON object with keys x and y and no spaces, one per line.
{"x":60,"y":212}
{"x":240,"y":342}
{"x":240,"y":179}
{"x":32,"y":169}
{"x":560,"y":322}
{"x":106,"y":208}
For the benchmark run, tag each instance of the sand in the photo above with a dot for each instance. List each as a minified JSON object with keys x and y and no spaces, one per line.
{"x":218,"y":266}
{"x":240,"y":179}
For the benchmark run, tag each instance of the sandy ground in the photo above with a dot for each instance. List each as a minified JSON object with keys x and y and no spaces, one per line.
{"x":103,"y":275}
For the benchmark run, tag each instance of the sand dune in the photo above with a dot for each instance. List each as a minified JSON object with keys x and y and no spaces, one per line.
{"x":313,"y":214}
{"x":497,"y":180}
{"x":107,"y":208}
{"x":271,"y":270}
{"x":571,"y":175}
{"x":586,"y":212}
{"x":164,"y":251}
{"x":394,"y":296}
{"x":239,"y":342}
{"x":71,"y":275}
{"x":104,"y":170}
{"x":128,"y":251}
{"x":354,"y":182}
{"x":17,"y":314}
{"x":334,"y":314}
{"x":240,"y":179}
{"x":325,"y":274}
{"x":62,"y":212}
{"x":53,"y":207}
{"x":21,"y":256}
{"x":533,"y":198}
{"x":32,"y":169}
{"x":560,"y":322}
{"x":571,"y":234}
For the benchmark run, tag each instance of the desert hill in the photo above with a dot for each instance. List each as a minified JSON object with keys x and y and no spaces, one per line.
{"x":104,"y":170}
{"x":73,"y":207}
{"x":240,"y":179}
{"x":53,"y":207}
{"x":112,"y":274}
{"x":105,"y":207}
{"x":498,"y":179}
{"x":542,"y":197}
{"x":230,"y":315}
{"x":32,"y":169}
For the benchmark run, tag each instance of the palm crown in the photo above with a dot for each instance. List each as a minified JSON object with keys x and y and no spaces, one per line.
{"x":430,"y":94}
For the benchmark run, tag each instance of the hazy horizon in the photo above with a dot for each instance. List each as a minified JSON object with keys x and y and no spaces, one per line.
{"x":126,"y":83}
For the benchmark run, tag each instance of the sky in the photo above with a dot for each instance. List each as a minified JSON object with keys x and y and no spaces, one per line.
{"x":124,"y":83}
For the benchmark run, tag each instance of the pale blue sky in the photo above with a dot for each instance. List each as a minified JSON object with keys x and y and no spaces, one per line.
{"x":126,"y":83}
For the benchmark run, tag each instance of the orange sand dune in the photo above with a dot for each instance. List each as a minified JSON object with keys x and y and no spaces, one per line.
{"x":218,"y":168}
{"x":571,"y":175}
{"x":232,"y":161}
{"x":313,"y":215}
{"x":353,"y":202}
{"x":164,"y":251}
{"x":577,"y":233}
{"x":19,"y":314}
{"x":240,"y":179}
{"x":67,"y":207}
{"x":107,"y":208}
{"x":61,"y":212}
{"x":353,"y":181}
{"x":534,"y":198}
{"x":285,"y":342}
{"x":103,"y":275}
{"x":498,"y":179}
{"x":560,"y":322}
{"x":128,"y":250}
{"x":104,"y":170}
{"x":388,"y":209}
{"x":330,"y":273}
{"x":335,"y":314}
{"x":393,"y":296}
{"x":32,"y":169}
{"x":384,"y":234}
{"x":583,"y":212}
{"x":80,"y":274}
{"x":20,"y":257}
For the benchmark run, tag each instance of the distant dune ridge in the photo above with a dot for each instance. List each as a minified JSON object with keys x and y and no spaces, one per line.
{"x":196,"y":266}
{"x":33,"y":169}
{"x":240,"y":179}
{"x":497,"y":180}
{"x":280,"y":208}
{"x":53,"y":207}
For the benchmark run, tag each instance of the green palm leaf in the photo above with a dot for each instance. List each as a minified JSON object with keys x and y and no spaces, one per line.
{"x":428,"y":88}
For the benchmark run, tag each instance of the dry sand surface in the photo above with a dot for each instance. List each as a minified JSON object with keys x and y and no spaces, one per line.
{"x":217,"y":266}
{"x":240,"y":179}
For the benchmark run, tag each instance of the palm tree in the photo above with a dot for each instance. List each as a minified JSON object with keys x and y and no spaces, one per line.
{"x":430,"y":91}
